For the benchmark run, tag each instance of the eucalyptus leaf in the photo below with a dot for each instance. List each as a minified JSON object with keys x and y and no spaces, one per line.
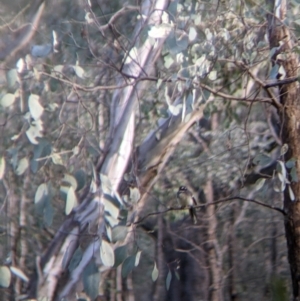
{"x":35,"y":108}
{"x":291,"y":193}
{"x":107,"y":254}
{"x":175,"y":110}
{"x":48,"y":212}
{"x":290,"y":163}
{"x":168,"y":280}
{"x":71,"y":200}
{"x":76,"y":258}
{"x":22,"y":166}
{"x":70,"y":180}
{"x":35,"y":131}
{"x":12,"y":78}
{"x":119,"y":233}
{"x":111,"y":220}
{"x":294,"y":175}
{"x":212,"y":75}
{"x":259,"y":184}
{"x":134,"y":194}
{"x":79,"y":71}
{"x":128,"y":265}
{"x":41,"y":50}
{"x":155,"y":273}
{"x":282,"y":170}
{"x":80,"y":177}
{"x":137,"y":258}
{"x":262,"y":159}
{"x":42,"y":149}
{"x":274,"y":72}
{"x":2,"y":167}
{"x":111,"y":208}
{"x":19,"y":273}
{"x":7,"y":100}
{"x":91,"y":280}
{"x":192,"y":33}
{"x":120,"y":255}
{"x":5,"y":276}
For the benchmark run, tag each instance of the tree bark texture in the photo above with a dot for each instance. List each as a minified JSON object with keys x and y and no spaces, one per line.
{"x":281,"y":38}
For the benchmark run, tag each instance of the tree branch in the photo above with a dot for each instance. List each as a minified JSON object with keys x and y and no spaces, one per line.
{"x":213,"y":203}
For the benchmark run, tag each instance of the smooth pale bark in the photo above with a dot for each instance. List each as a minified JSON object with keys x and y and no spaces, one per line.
{"x":49,"y":280}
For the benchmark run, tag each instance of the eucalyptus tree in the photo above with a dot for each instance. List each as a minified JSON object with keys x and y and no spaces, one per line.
{"x":93,"y":111}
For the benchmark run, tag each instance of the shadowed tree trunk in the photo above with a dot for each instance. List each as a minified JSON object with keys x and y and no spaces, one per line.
{"x":282,"y":43}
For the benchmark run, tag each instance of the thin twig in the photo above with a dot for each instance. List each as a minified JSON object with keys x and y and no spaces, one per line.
{"x":213,"y":203}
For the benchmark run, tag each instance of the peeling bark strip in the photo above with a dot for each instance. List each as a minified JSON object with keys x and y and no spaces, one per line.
{"x":280,"y":36}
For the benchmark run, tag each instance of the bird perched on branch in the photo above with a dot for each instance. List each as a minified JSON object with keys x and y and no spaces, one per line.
{"x":186,"y":199}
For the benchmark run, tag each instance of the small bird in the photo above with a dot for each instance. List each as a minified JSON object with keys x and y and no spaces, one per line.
{"x":186,"y":199}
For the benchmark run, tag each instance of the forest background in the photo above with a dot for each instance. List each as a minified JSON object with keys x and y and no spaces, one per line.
{"x":107,"y":108}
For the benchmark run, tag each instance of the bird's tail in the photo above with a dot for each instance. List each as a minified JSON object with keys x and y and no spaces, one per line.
{"x":193,"y":215}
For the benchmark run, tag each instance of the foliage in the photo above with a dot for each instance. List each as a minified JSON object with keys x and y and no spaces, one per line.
{"x":59,"y":113}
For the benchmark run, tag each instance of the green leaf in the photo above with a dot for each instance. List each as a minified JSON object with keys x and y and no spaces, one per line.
{"x":134,"y":195}
{"x":294,"y":175}
{"x":259,"y":184}
{"x":2,"y":167}
{"x":76,"y":258}
{"x":120,"y":255}
{"x":19,"y":273}
{"x":41,"y":192}
{"x":274,"y":72}
{"x":128,"y":265}
{"x":57,"y":159}
{"x":284,"y":149}
{"x":108,"y":232}
{"x":281,"y":171}
{"x":168,"y":280}
{"x":48,"y":212}
{"x":42,"y":149}
{"x":111,"y":208}
{"x":5,"y":276}
{"x":22,"y":166}
{"x":79,"y":71}
{"x":35,"y":108}
{"x":69,"y":179}
{"x":7,"y":100}
{"x":35,"y":131}
{"x":12,"y":78}
{"x":71,"y":200}
{"x":155,"y":273}
{"x":58,"y":68}
{"x":262,"y":159}
{"x":91,"y":280}
{"x":107,"y":254}
{"x":291,"y":193}
{"x":137,"y":258}
{"x":212,"y":75}
{"x":119,"y":233}
{"x":111,"y":220}
{"x":80,"y":177}
{"x":205,"y":94}
{"x":168,"y":61}
{"x":175,"y":110}
{"x":192,"y":34}
{"x":290,"y":163}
